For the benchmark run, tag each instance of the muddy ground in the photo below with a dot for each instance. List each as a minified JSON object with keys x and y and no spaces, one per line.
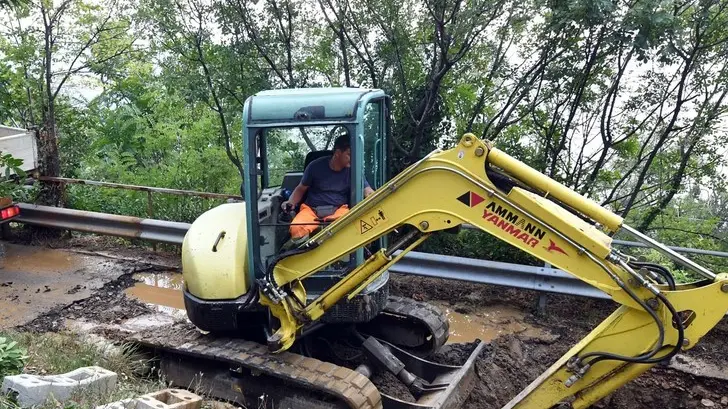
{"x":522,"y":341}
{"x":36,"y":281}
{"x":512,"y":361}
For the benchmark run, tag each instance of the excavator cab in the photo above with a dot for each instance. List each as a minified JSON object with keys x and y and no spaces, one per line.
{"x":231,"y":246}
{"x":284,"y":131}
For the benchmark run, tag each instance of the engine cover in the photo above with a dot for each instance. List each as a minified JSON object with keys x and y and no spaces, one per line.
{"x":214,"y":254}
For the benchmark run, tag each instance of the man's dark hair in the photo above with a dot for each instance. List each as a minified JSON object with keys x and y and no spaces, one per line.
{"x":342,"y":142}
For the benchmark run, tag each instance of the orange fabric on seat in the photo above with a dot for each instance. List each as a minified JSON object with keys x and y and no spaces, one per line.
{"x":307,"y":217}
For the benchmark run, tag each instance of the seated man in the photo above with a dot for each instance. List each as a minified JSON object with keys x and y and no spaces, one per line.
{"x":327,"y":181}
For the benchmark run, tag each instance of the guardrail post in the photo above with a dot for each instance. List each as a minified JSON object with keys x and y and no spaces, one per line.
{"x":541,"y":308}
{"x":150,"y":205}
{"x":150,"y":213}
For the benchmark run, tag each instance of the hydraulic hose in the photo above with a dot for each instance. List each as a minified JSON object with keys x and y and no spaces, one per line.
{"x":680,"y":330}
{"x":600,"y":356}
{"x":648,"y":357}
{"x":661,"y":270}
{"x":650,"y":360}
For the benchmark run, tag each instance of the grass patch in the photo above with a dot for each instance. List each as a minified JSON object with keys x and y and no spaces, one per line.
{"x":58,"y":353}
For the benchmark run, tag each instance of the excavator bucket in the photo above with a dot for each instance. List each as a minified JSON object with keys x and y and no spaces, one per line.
{"x":449,"y":385}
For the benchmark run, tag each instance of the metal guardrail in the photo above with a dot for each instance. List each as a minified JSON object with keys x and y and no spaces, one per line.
{"x":542,"y":279}
{"x":494,"y":272}
{"x":148,"y":189}
{"x":627,"y":243}
{"x":103,"y":223}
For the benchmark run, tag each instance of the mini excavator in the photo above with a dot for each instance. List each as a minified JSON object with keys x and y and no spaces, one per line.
{"x":312,"y":324}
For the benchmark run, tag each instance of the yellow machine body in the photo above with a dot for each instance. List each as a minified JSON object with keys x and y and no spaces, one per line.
{"x":214,"y":254}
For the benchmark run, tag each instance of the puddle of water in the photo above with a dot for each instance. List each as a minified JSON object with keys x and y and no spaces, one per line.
{"x":33,"y":280}
{"x":487,"y":323}
{"x":163,"y":291}
{"x":170,"y":280}
{"x":39,"y":260}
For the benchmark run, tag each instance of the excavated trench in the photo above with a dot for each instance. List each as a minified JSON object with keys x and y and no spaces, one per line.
{"x":522,"y":341}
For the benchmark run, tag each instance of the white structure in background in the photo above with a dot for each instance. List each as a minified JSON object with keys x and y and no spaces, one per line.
{"x":21,"y":144}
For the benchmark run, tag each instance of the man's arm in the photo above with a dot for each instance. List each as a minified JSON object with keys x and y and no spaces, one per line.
{"x":306,"y":181}
{"x":367,"y":189}
{"x":295,"y":196}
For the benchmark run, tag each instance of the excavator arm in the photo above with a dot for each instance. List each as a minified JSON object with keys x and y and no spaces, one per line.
{"x":475,"y":183}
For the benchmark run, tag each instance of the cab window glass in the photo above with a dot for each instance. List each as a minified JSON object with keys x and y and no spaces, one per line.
{"x":373,"y":143}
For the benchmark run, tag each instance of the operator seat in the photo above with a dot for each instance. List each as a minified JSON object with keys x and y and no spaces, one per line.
{"x":310,"y":157}
{"x":313,"y":155}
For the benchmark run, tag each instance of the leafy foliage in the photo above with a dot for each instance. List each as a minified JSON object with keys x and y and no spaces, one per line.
{"x":13,"y":179}
{"x":12,"y":3}
{"x":12,"y":357}
{"x":624,"y":102}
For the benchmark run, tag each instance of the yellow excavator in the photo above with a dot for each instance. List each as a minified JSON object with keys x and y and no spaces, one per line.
{"x":311,"y":324}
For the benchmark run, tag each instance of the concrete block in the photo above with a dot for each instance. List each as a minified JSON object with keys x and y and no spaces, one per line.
{"x":33,"y":390}
{"x":164,"y":399}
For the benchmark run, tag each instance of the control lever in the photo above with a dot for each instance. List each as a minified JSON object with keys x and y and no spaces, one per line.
{"x":288,"y":214}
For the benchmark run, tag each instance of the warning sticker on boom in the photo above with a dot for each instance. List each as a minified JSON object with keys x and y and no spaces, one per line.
{"x":373,"y":221}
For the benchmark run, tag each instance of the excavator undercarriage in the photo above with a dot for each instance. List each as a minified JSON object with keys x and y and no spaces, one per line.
{"x":337,"y":366}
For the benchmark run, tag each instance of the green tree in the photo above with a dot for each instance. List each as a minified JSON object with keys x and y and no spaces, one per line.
{"x":66,"y":40}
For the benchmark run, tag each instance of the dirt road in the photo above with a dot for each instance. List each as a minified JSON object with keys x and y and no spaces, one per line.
{"x":145,"y":292}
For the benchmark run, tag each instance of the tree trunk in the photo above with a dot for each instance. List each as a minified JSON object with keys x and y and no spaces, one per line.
{"x":51,"y":194}
{"x":675,"y":184}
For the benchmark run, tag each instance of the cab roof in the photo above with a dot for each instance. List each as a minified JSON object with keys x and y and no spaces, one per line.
{"x":306,"y":104}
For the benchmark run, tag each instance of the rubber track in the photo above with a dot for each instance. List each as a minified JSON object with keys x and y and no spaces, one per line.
{"x":426,"y":314}
{"x":350,"y":386}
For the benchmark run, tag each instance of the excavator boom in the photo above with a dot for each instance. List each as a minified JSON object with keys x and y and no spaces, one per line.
{"x":475,"y":183}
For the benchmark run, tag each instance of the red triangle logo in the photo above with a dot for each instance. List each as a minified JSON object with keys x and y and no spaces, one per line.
{"x":475,"y":199}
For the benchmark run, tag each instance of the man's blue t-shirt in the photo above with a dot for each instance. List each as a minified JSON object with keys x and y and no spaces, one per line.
{"x":326,"y":186}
